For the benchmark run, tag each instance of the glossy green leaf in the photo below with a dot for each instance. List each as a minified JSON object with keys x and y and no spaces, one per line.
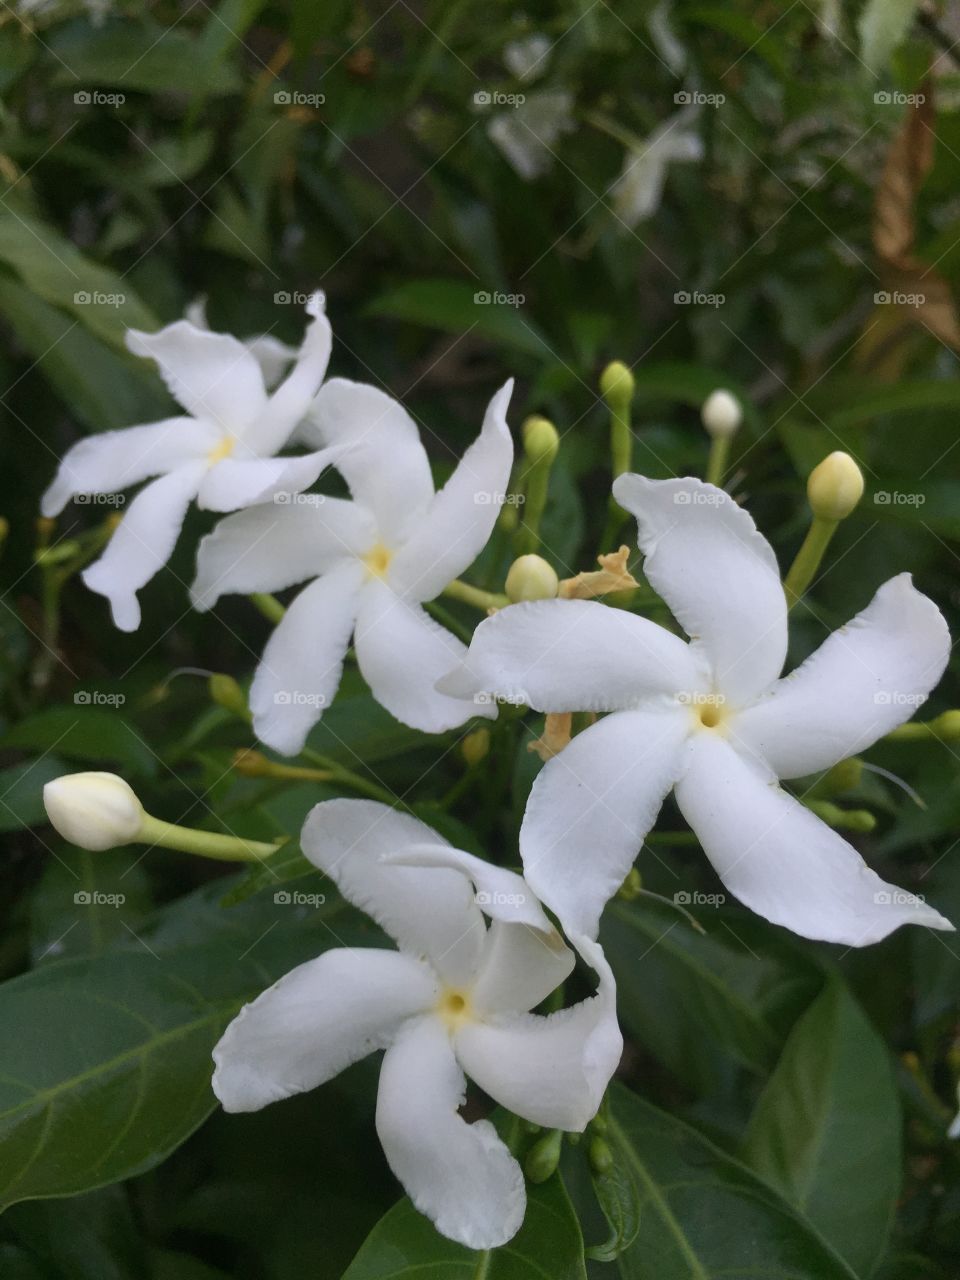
{"x":458,"y":307}
{"x":21,"y":791}
{"x":85,"y":732}
{"x":404,"y":1243}
{"x":826,"y":1130}
{"x":86,"y":901}
{"x":705,"y":1216}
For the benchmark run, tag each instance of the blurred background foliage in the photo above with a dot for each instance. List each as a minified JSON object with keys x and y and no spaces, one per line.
{"x":793,"y":233}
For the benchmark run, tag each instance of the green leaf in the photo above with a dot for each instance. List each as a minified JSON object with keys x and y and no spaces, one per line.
{"x":705,"y":1215}
{"x":21,"y":791}
{"x":405,"y":1244}
{"x":826,"y":1131}
{"x":453,"y":306}
{"x":85,"y":733}
{"x":85,"y":901}
{"x":138,"y":55}
{"x":105,"y":1063}
{"x":287,"y":864}
{"x":50,"y":266}
{"x":618,"y":1195}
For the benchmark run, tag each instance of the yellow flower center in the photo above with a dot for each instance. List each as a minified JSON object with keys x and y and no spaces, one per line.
{"x":378,"y":560}
{"x":454,"y":1008}
{"x":708,"y":709}
{"x":222,"y":450}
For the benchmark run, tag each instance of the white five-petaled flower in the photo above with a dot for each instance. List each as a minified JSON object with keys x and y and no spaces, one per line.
{"x":220,"y":452}
{"x":375,"y":560}
{"x":455,"y":999}
{"x":709,"y":718}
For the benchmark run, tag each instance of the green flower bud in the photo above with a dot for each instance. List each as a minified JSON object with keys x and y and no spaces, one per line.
{"x":540,"y":439}
{"x":531,"y":578}
{"x":475,"y":746}
{"x":601,"y":1156}
{"x":835,"y":486}
{"x":544,"y":1156}
{"x":226,"y":693}
{"x":617,"y":383}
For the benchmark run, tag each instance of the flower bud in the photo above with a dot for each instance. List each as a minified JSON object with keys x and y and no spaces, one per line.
{"x":475,"y":746}
{"x":531,"y":578}
{"x":540,"y":439}
{"x":947,"y":726}
{"x":96,"y":811}
{"x":601,"y":1156}
{"x":226,"y":693}
{"x":544,"y":1156}
{"x":835,"y":486}
{"x":617,"y":383}
{"x":721,"y":414}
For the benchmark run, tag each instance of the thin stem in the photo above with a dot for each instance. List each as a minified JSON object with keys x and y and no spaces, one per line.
{"x":719,"y":457}
{"x":269,"y":606}
{"x":805,"y":566}
{"x":205,"y":844}
{"x":484,"y":600}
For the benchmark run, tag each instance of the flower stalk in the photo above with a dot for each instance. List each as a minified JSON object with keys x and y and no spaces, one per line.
{"x":617,"y":385}
{"x":541,"y":444}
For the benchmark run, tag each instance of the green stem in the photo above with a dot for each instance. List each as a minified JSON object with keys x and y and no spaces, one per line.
{"x":338,"y":773}
{"x":536,"y":484}
{"x":805,"y":566}
{"x":484,"y":600}
{"x":205,"y":844}
{"x":717,"y":462}
{"x":269,"y":606}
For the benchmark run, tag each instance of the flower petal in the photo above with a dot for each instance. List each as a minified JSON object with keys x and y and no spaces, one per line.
{"x":402,"y":653}
{"x":457,"y":525}
{"x":243,"y":482}
{"x":550,"y":1070}
{"x":142,"y":542}
{"x":572,"y":655}
{"x":114,"y":460}
{"x":212,"y":375}
{"x":274,"y":545}
{"x":461,"y":1176}
{"x":290,"y":402}
{"x":299,"y":673}
{"x":783,"y":862}
{"x":591,"y":807}
{"x":717,"y":573}
{"x":430,"y":912}
{"x":388,"y":470}
{"x":863,"y":681}
{"x":316,"y":1021}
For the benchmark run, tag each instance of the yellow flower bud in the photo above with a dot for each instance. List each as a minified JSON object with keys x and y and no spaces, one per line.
{"x":721,"y":414}
{"x":617,"y":383}
{"x":531,"y":578}
{"x":475,"y":746}
{"x":96,"y":811}
{"x":225,"y":691}
{"x":540,"y":439}
{"x":835,"y":486}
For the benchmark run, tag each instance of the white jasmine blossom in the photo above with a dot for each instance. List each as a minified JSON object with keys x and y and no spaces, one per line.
{"x":453,"y":1001}
{"x":639,"y":189}
{"x":96,"y":811}
{"x":273,"y":356}
{"x":709,"y":718}
{"x":220,"y":452}
{"x":375,"y":560}
{"x":528,"y":133}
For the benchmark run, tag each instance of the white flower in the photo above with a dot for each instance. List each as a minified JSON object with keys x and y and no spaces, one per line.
{"x":272,"y":355}
{"x":639,"y":189}
{"x":709,"y":718}
{"x":96,"y":811}
{"x":220,"y":452}
{"x":528,"y":57}
{"x":378,"y":558}
{"x":454,"y":999}
{"x":527,"y":133}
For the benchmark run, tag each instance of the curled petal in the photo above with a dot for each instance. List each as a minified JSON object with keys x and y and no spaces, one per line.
{"x":243,"y":482}
{"x":143,"y":542}
{"x":864,"y":680}
{"x":459,"y":520}
{"x":299,"y":673}
{"x":573,"y":655}
{"x":783,"y":862}
{"x":430,"y":912}
{"x":717,"y":573}
{"x":317,"y":1020}
{"x":290,"y":402}
{"x":461,"y":1176}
